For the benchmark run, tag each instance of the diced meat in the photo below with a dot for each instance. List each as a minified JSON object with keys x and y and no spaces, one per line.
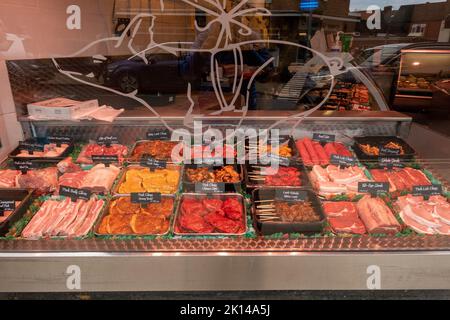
{"x":222,"y":224}
{"x":212,"y":204}
{"x":195,"y":223}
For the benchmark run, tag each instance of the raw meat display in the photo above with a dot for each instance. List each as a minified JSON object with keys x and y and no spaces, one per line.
{"x":400,"y":179}
{"x":225,"y":174}
{"x":314,"y":153}
{"x":343,"y":217}
{"x":99,"y":150}
{"x":51,"y":150}
{"x":283,"y":150}
{"x":127,"y":218}
{"x":43,"y":180}
{"x":430,"y":216}
{"x":67,"y":166}
{"x":158,"y":149}
{"x":377,"y":216}
{"x":334,"y":180}
{"x":8,"y":178}
{"x":139,"y":179}
{"x":63,"y":218}
{"x":284,"y":176}
{"x":296,"y":211}
{"x":203,"y":215}
{"x":372,"y":150}
{"x":99,"y":179}
{"x":72,"y":179}
{"x":206,"y":152}
{"x":270,"y":176}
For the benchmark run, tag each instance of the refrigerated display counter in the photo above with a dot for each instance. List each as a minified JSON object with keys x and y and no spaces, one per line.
{"x":250,"y":261}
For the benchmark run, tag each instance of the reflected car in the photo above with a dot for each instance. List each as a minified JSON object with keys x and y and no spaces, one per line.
{"x":164,"y":73}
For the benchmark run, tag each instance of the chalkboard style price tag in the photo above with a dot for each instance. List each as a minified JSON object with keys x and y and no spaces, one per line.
{"x":323,"y":137}
{"x":291,"y":195}
{"x":158,"y":135}
{"x":384,"y":151}
{"x":75,"y":194}
{"x":153,"y":163}
{"x":7,"y":205}
{"x":107,"y":140}
{"x":23,"y":165}
{"x":427,"y":191}
{"x":374,"y":188}
{"x":210,"y":187}
{"x":339,"y":160}
{"x":59,"y":140}
{"x":390,"y":162}
{"x":145,"y":197}
{"x":31,"y":147}
{"x":105,"y":159}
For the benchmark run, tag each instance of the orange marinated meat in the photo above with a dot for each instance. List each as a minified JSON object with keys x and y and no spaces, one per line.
{"x":127,"y":218}
{"x":158,"y":149}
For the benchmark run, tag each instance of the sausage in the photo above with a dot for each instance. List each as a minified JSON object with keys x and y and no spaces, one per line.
{"x":304,"y":153}
{"x":323,"y":158}
{"x":312,"y":153}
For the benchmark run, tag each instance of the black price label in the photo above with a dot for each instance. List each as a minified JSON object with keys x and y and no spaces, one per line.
{"x":158,"y":135}
{"x":210,"y":187}
{"x":390,"y":162}
{"x":58,"y":140}
{"x":343,"y":160}
{"x":31,"y":147}
{"x":23,"y":166}
{"x":384,"y":151}
{"x":107,"y":140}
{"x":430,"y":190}
{"x":74,"y":193}
{"x":153,"y":163}
{"x":323,"y":137}
{"x":145,"y":197}
{"x":373,"y":188}
{"x":7,"y":205}
{"x":291,"y":195}
{"x":105,"y":159}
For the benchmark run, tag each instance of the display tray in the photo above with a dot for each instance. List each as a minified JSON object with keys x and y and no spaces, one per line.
{"x":20,"y":195}
{"x":113,"y":151}
{"x":107,"y":211}
{"x":134,"y":159}
{"x":122,"y":178}
{"x":201,"y":197}
{"x":13,"y":155}
{"x":376,"y":141}
{"x":228,"y":186}
{"x":265,"y":196}
{"x":36,"y":205}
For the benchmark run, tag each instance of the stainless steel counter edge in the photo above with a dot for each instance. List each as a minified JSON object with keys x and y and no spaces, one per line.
{"x":255,"y":116}
{"x":102,"y":272}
